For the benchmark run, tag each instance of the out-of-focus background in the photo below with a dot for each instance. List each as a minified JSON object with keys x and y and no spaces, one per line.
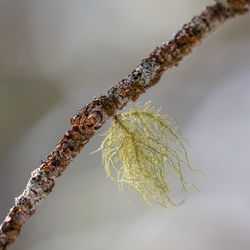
{"x":55,"y":55}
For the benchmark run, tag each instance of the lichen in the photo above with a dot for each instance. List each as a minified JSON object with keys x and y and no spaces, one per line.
{"x":144,"y":151}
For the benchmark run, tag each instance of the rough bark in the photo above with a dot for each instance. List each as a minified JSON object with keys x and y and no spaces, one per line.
{"x":93,"y":115}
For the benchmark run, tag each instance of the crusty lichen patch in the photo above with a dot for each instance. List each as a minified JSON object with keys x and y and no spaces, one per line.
{"x":144,"y":151}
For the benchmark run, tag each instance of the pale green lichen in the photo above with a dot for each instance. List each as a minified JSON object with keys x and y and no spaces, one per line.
{"x":144,"y":150}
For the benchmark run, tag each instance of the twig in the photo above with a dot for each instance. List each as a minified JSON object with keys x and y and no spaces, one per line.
{"x":97,"y":112}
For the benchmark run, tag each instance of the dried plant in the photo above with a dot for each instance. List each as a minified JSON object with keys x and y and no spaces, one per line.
{"x":144,"y":150}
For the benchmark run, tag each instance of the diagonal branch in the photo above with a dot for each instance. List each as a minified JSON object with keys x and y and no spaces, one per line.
{"x":97,"y":112}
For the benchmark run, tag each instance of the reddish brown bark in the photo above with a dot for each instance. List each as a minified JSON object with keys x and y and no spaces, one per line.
{"x":93,"y":115}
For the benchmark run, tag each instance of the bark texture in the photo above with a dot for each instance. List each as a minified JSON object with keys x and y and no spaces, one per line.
{"x":97,"y":112}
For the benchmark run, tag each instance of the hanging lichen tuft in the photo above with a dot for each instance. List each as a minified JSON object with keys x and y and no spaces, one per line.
{"x":144,"y":151}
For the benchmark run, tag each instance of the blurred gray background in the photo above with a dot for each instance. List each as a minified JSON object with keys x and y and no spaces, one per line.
{"x":55,"y":55}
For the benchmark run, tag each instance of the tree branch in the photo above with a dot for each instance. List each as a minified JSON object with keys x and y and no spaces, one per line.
{"x":97,"y":112}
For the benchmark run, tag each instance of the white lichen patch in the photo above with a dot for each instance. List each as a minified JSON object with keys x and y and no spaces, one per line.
{"x":146,"y":72}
